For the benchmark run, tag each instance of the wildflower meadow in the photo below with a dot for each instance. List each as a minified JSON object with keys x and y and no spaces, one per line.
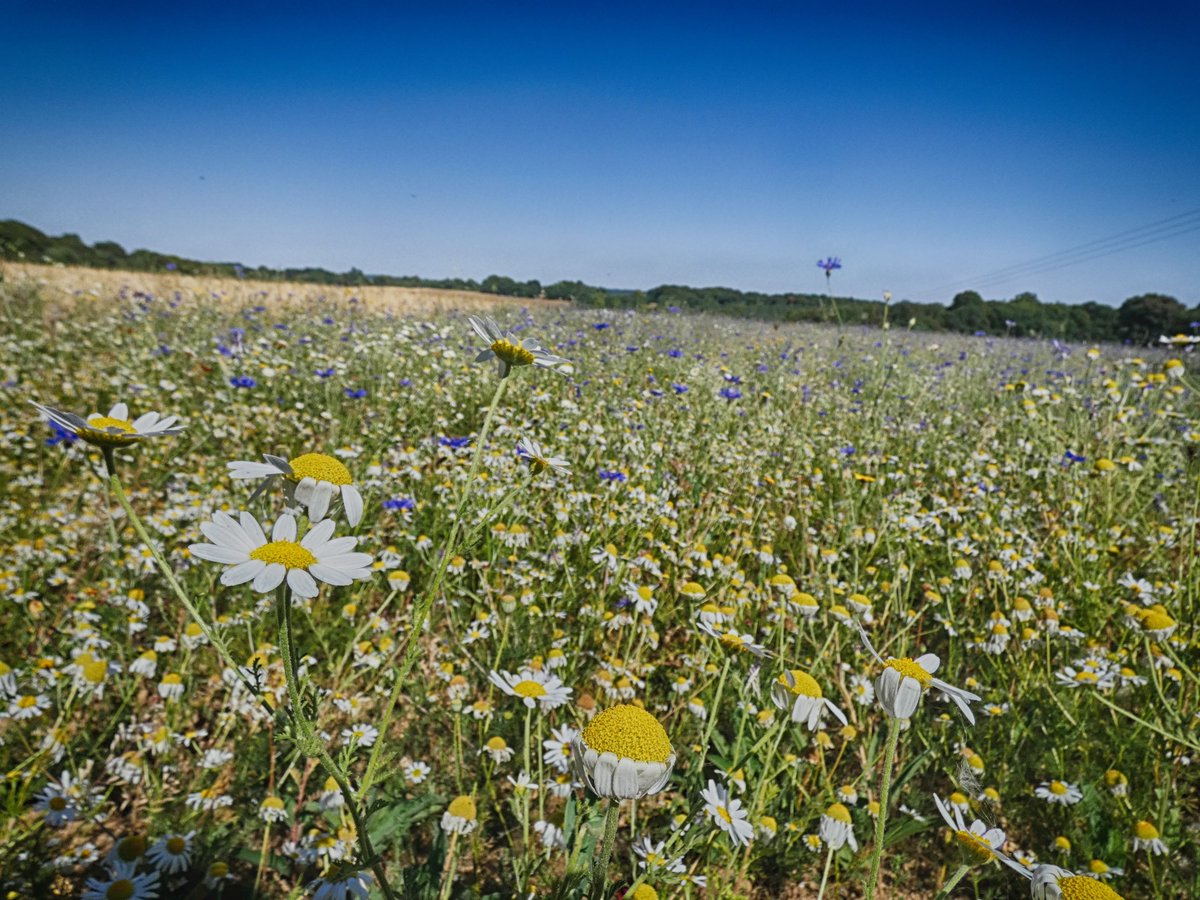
{"x":305,"y":597}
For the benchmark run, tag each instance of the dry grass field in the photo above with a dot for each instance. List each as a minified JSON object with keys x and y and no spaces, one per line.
{"x":67,"y":282}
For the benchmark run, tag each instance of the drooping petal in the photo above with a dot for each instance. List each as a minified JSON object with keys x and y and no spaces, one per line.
{"x":353,"y":502}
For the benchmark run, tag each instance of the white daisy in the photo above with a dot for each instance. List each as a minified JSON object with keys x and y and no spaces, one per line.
{"x":727,"y":814}
{"x":312,"y":480}
{"x":978,"y":843}
{"x":171,"y":853}
{"x":114,"y":430}
{"x":800,"y":692}
{"x":531,"y":451}
{"x":837,"y":828}
{"x":533,"y":687}
{"x":904,"y":680}
{"x":244,"y":547}
{"x":509,"y":350}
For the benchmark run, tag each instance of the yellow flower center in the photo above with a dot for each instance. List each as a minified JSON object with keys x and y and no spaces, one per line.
{"x":27,"y":702}
{"x":218,"y":870}
{"x":497,"y":743}
{"x":94,"y":671}
{"x":121,"y":889}
{"x":529,"y":688}
{"x":644,"y":892}
{"x":288,"y":553}
{"x":1081,"y":887}
{"x":1154,"y":620}
{"x":176,"y":845}
{"x":513,"y":354}
{"x":909,"y":668}
{"x":1145,"y":831}
{"x":1057,"y":787}
{"x":629,"y":732}
{"x":131,"y":848}
{"x":974,"y":847}
{"x":58,"y":804}
{"x":1097,"y":867}
{"x":172,"y":678}
{"x":838,"y":813}
{"x":724,"y":814}
{"x":801,"y":684}
{"x":319,"y":467}
{"x":103,"y":423}
{"x":462,"y":807}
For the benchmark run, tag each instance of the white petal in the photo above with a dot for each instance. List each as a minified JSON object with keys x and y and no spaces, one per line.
{"x":253,"y":530}
{"x":318,"y":536}
{"x":330,"y":575}
{"x":145,"y":422}
{"x":336,"y":546}
{"x":318,"y":504}
{"x":248,"y":469}
{"x":226,"y":535}
{"x":242,"y":572}
{"x":929,"y":662}
{"x":353,"y":502}
{"x":218,"y":554}
{"x":285,"y":529}
{"x":346,"y":560}
{"x":625,"y":780}
{"x":119,"y":411}
{"x":269,"y":578}
{"x":301,"y":583}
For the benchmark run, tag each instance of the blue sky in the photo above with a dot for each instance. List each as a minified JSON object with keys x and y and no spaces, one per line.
{"x":926,"y":144}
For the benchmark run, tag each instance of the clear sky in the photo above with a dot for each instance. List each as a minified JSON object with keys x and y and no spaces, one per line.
{"x":625,"y":145}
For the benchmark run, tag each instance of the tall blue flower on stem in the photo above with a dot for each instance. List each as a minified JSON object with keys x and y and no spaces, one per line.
{"x":830,"y":263}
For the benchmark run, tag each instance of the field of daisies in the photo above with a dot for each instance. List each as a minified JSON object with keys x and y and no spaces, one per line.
{"x":306,"y":599}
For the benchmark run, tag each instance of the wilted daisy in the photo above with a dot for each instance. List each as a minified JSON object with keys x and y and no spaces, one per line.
{"x":531,"y":451}
{"x":342,"y":882}
{"x":312,"y":480}
{"x":509,"y":350}
{"x":460,"y":816}
{"x":497,"y":748}
{"x":977,"y":843}
{"x":534,"y":687}
{"x":799,"y":691}
{"x":623,"y":753}
{"x":1145,"y":837}
{"x":114,"y":430}
{"x":728,"y":814}
{"x":1053,"y":883}
{"x":903,"y":681}
{"x":837,"y":828}
{"x":244,"y":547}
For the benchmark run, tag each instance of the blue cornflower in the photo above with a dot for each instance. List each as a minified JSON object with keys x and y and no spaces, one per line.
{"x":405,"y":382}
{"x":600,"y":326}
{"x":675,"y":354}
{"x":1068,"y":456}
{"x":454,"y":443}
{"x":612,"y":476}
{"x":354,"y":394}
{"x":400,"y":503}
{"x":730,"y":393}
{"x":325,"y":373}
{"x":829,"y":264}
{"x":243,"y":381}
{"x":680,"y":388}
{"x":60,"y":436}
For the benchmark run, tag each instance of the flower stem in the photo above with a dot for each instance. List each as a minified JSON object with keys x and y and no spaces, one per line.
{"x":310,"y":744}
{"x":600,"y":860}
{"x":885,"y":785}
{"x":825,"y":874}
{"x":944,"y":893}
{"x":426,"y":601}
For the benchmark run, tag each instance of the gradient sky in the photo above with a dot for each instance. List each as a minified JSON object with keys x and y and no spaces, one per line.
{"x":624,"y":145}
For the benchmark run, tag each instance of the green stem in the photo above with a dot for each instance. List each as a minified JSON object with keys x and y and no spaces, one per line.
{"x":825,"y":874}
{"x":426,"y":601}
{"x":600,"y":860}
{"x":311,"y":745}
{"x":885,"y":786}
{"x":712,"y":716}
{"x":944,"y":893}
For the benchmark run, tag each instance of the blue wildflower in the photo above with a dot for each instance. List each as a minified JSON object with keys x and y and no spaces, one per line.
{"x":243,"y":381}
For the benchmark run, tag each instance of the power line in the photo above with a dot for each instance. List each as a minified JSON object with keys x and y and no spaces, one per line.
{"x":1163,"y":229}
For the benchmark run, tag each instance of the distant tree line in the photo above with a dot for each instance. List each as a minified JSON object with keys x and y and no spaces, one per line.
{"x":1140,"y":319}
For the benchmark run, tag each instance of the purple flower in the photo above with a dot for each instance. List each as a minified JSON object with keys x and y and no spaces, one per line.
{"x":829,"y":264}
{"x":243,"y":381}
{"x":731,"y":393}
{"x":60,"y":436}
{"x":612,"y":476}
{"x":400,"y":503}
{"x":455,"y":443}
{"x":356,"y":394}
{"x":680,"y":388}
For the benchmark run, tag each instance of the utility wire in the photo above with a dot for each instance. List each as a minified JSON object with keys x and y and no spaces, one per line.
{"x":1163,"y":229}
